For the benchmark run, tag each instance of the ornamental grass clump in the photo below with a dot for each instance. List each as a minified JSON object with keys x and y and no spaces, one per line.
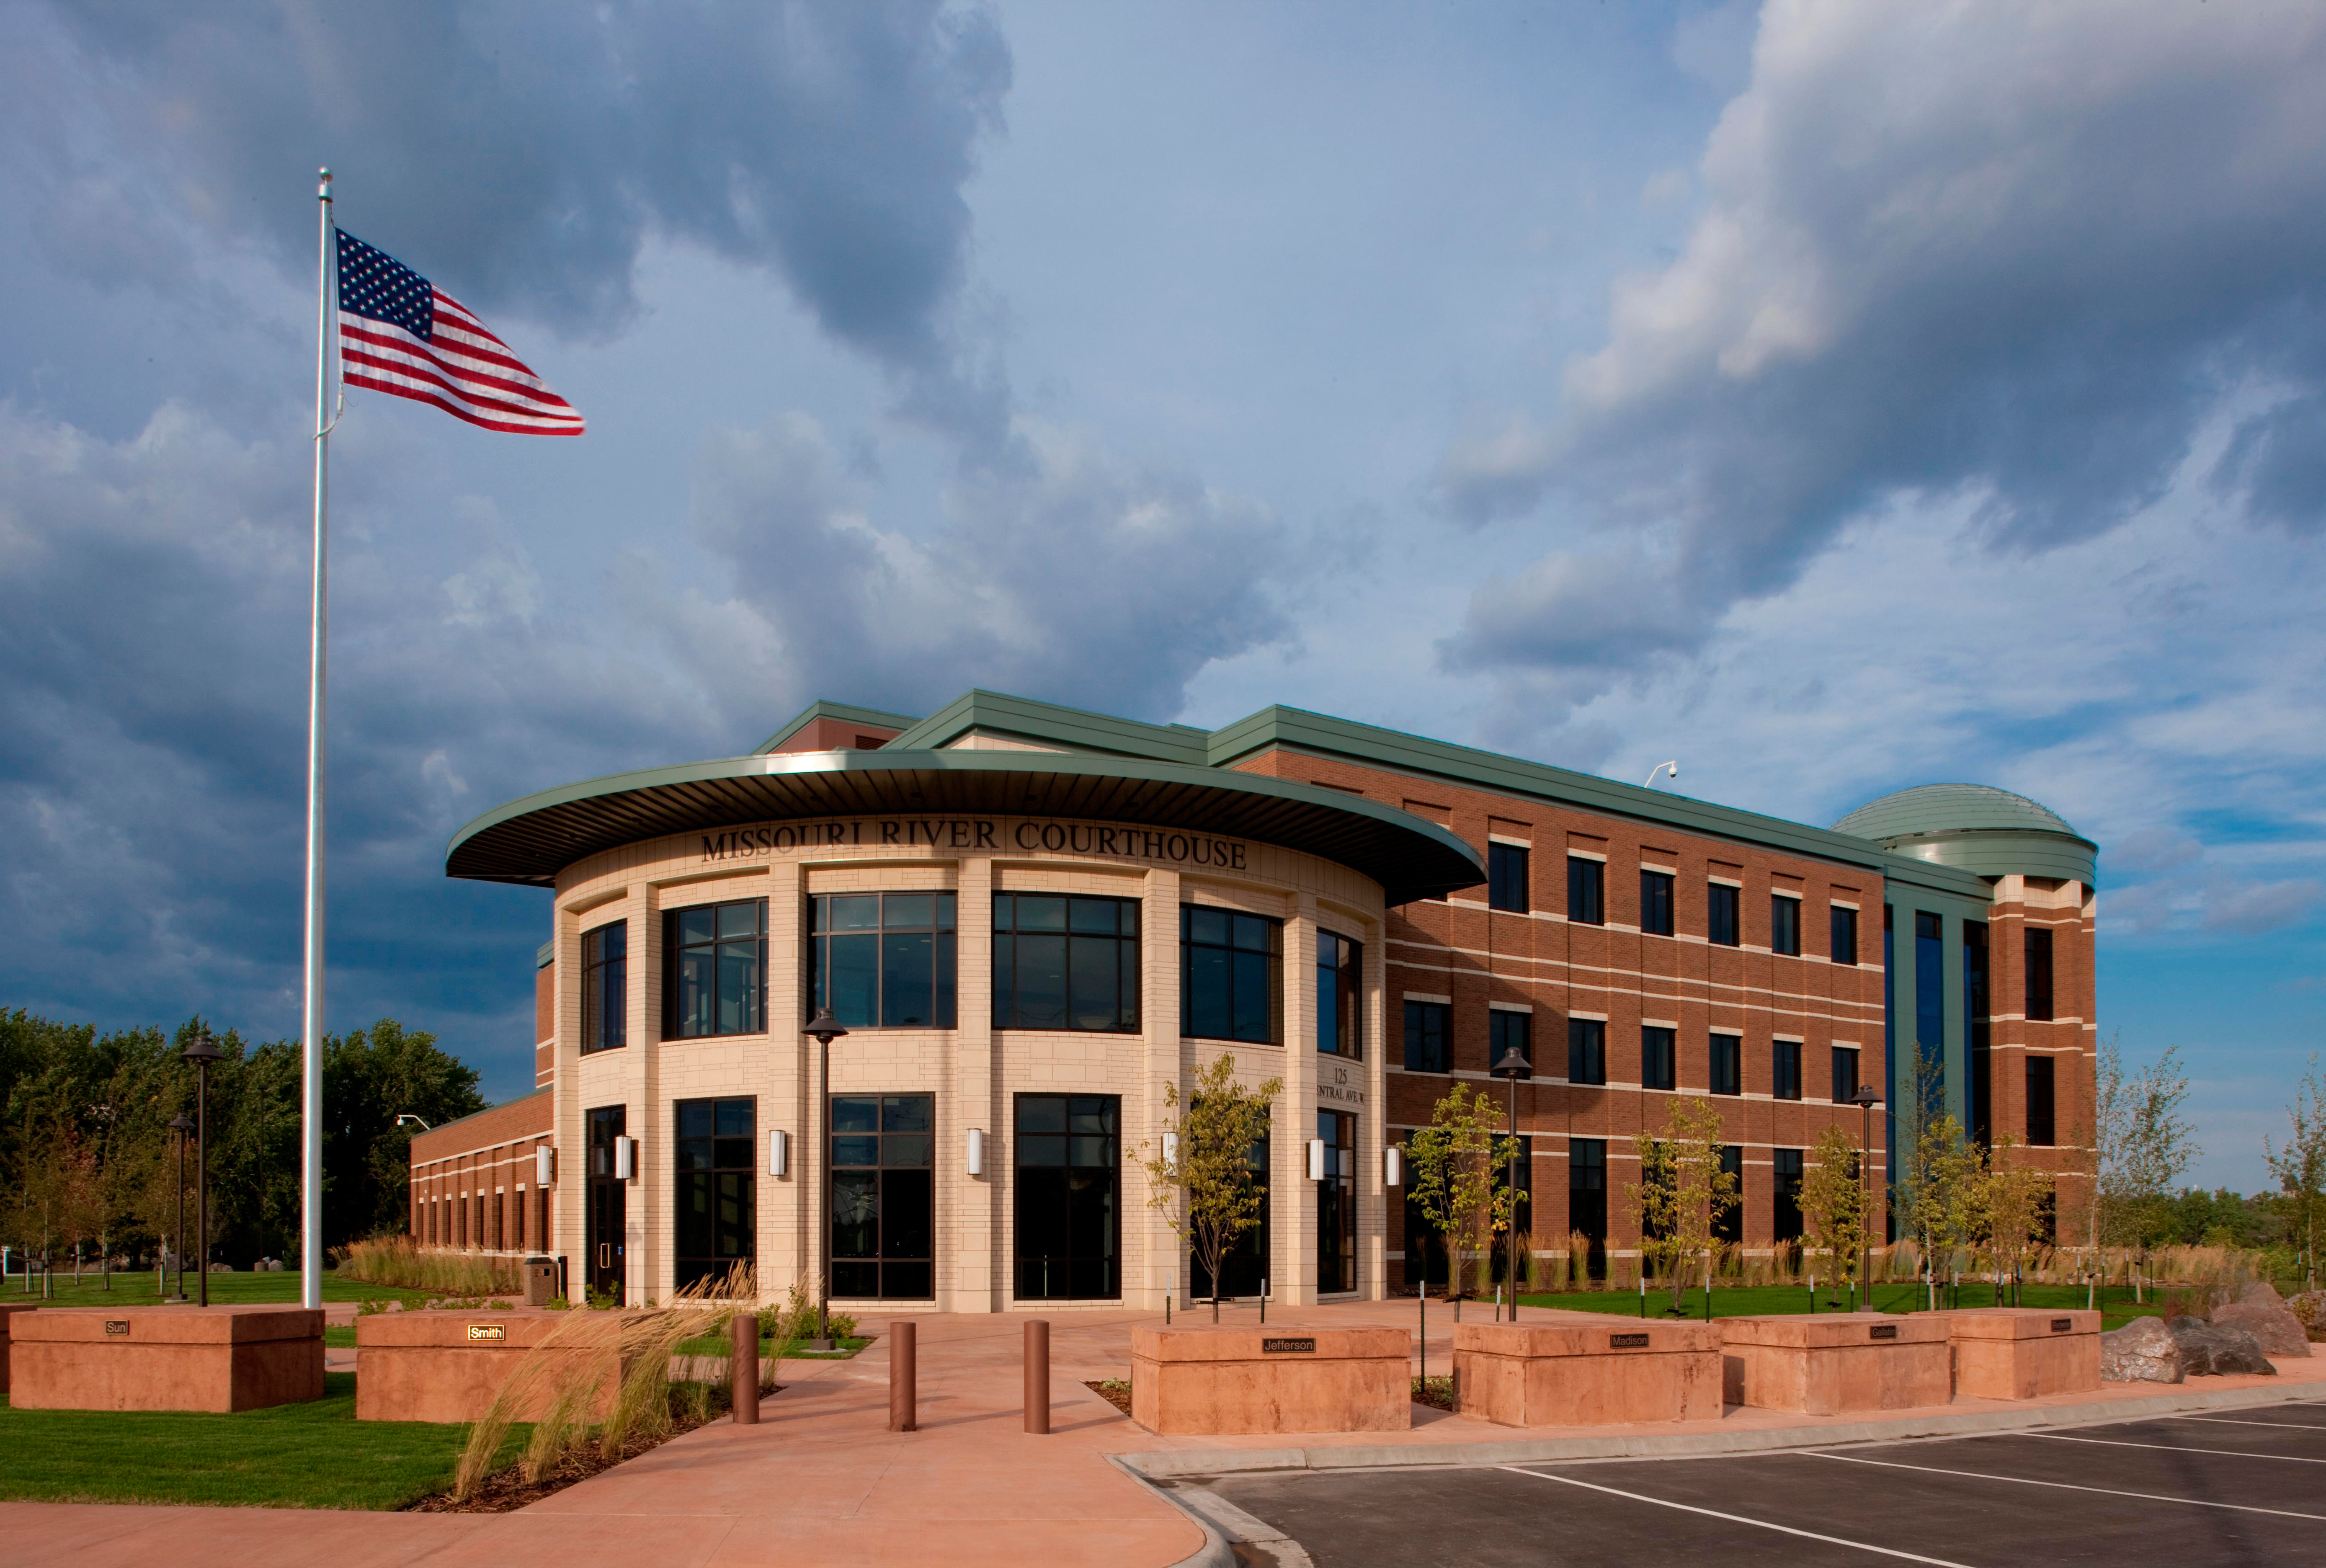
{"x":397,"y":1260}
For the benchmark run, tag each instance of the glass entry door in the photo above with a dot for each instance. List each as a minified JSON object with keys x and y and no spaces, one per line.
{"x":607,"y":1204}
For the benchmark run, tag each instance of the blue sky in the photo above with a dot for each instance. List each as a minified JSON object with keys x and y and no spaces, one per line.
{"x":1835,"y":397}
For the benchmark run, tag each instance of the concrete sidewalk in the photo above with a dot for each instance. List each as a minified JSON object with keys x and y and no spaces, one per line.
{"x":822,"y":1480}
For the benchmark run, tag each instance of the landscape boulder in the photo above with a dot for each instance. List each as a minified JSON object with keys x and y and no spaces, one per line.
{"x":2259,"y":1293}
{"x":2278,"y":1331}
{"x":2216,"y":1350}
{"x":2310,"y":1309}
{"x":2142,"y":1351}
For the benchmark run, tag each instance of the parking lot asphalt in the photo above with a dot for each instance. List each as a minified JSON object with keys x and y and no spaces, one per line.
{"x":2244,"y":1487}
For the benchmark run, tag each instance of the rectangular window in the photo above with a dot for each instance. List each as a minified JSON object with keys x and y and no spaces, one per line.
{"x":1229,"y":980}
{"x":1509,"y":1032}
{"x":1721,"y":918}
{"x":1586,"y":1193}
{"x":1340,"y":967}
{"x":1586,"y":891}
{"x":883,"y":1210}
{"x":1845,"y":1074}
{"x":2039,"y":973}
{"x":605,"y":987}
{"x":1843,"y":926}
{"x":1930,"y":995}
{"x":716,"y":957}
{"x":1727,"y":1064}
{"x":1657,"y":1058}
{"x":1784,"y":924}
{"x":1587,"y":1049}
{"x":1785,"y":1070}
{"x":1785,"y":1193}
{"x":883,"y":961}
{"x":1069,"y":1151}
{"x":1336,"y":1204}
{"x":1507,"y":878}
{"x":717,"y":1223}
{"x":1246,"y":1262}
{"x":1424,"y":1037}
{"x":1656,"y":903}
{"x":1064,"y":963}
{"x":2039,"y":1102}
{"x":1730,"y":1226}
{"x":1977,"y":1037}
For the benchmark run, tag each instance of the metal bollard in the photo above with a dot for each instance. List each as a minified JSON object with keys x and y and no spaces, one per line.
{"x":1037,"y":1376}
{"x":902,"y":1372}
{"x":743,"y":1374}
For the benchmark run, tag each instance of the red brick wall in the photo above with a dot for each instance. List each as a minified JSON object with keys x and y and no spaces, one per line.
{"x":474,"y":1181}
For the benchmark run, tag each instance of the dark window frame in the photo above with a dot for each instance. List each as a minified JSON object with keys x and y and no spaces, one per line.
{"x":1730,"y":1226}
{"x":2039,"y":976}
{"x":1785,"y":925}
{"x":1422,"y":1053}
{"x":1586,"y":1051}
{"x":1502,"y":1033}
{"x":2042,"y":1102}
{"x":1724,"y":915}
{"x":1655,"y":903}
{"x":605,"y":986}
{"x":1509,"y":883}
{"x":1786,"y":1170}
{"x":908,"y":1267}
{"x":1784,"y":1069}
{"x":1727,"y":1063}
{"x":1086,"y":954}
{"x":1239,"y":956}
{"x":1336,"y":1204}
{"x":887,"y":940}
{"x":1342,"y":983}
{"x":723,"y":948}
{"x":732,"y":1170}
{"x":1841,"y":935}
{"x":1093,"y":1270}
{"x":1658,"y":1057}
{"x":1843,"y":1083}
{"x":1586,"y":890}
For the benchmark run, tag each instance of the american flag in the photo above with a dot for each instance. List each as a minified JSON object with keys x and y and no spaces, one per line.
{"x":399,"y":333}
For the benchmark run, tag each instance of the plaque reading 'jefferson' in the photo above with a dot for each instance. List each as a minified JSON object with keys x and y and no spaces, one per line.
{"x":1627,"y":1342}
{"x":1288,"y":1347}
{"x":484,"y":1331}
{"x":1884,"y":1331}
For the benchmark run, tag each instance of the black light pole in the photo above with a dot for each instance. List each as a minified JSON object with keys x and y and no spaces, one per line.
{"x":201,"y":1051}
{"x":1865,"y":1100}
{"x":824,"y":1028}
{"x":185,"y":1129}
{"x":1512,"y":1067}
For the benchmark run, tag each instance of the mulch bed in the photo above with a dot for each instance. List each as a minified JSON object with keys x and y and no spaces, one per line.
{"x":1115,"y":1391}
{"x":1438,"y":1393}
{"x":506,"y":1490}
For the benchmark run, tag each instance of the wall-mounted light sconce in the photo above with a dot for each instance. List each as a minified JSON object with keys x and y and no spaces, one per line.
{"x":977,"y":1151}
{"x":545,"y":1165}
{"x":1392,"y":1166}
{"x":779,"y":1152}
{"x":626,"y":1158}
{"x":1171,"y":1151}
{"x":1316,"y":1159}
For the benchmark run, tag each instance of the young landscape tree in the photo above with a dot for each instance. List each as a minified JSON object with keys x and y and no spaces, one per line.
{"x":2141,"y":1145}
{"x":1936,"y":1194}
{"x":1202,"y":1179}
{"x":1458,"y":1179}
{"x":1683,"y":1192}
{"x":2300,"y":1167}
{"x":1833,"y":1200}
{"x":2011,"y":1197}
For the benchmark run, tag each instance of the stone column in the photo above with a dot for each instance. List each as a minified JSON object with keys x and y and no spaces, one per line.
{"x":647,"y":1275}
{"x":1373,"y":1123}
{"x":980,"y":1232}
{"x":1159,"y":1264}
{"x":787,"y":1246}
{"x":1295,"y":1208}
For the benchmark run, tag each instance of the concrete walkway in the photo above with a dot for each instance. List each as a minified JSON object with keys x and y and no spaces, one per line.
{"x":822,"y":1480}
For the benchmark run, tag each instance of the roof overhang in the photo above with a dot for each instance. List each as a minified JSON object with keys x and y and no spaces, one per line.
{"x":530,"y":841}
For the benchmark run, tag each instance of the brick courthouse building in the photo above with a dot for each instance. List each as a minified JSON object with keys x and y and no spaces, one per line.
{"x":1031,"y":918}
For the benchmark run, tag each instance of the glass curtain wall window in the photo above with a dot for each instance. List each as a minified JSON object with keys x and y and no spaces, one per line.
{"x":1845,"y":1073}
{"x":1727,"y":1064}
{"x":1506,"y":877}
{"x":1586,"y":891}
{"x":883,"y":961}
{"x":1785,"y":1193}
{"x":1340,"y":968}
{"x":715,"y":1174}
{"x":1587,"y":1049}
{"x":1721,"y":924}
{"x":1656,"y":903}
{"x":1784,"y":924}
{"x":605,"y":986}
{"x":1842,"y":934}
{"x":717,"y":958}
{"x":1424,"y":1037}
{"x":2038,"y":973}
{"x":1977,"y":1037}
{"x":1069,"y":1154}
{"x":1229,"y":975}
{"x":883,"y":1210}
{"x":1336,"y":1204}
{"x":1930,"y":995}
{"x":1507,"y":1031}
{"x":1246,"y":1262}
{"x":1658,"y":1055}
{"x":1785,"y":1070}
{"x":1731,"y":1226}
{"x":1065,"y":963}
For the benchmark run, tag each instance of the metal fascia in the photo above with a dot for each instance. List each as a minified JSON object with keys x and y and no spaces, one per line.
{"x":841,"y":710}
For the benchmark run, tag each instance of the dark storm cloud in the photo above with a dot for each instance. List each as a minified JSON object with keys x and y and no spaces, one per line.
{"x":2020,"y":256}
{"x":520,"y":153}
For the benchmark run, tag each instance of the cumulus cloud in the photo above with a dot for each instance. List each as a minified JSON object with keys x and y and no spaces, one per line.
{"x":2018,"y":254}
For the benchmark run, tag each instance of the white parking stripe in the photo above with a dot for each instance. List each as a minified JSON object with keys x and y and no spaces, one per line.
{"x":1733,"y":1519}
{"x":2021,"y":1480}
{"x":2275,"y":1425}
{"x":2167,"y":1447}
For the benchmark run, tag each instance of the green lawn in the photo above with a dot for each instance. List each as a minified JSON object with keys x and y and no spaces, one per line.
{"x":2116,"y":1306}
{"x":719,"y":1345}
{"x":231,"y":1289}
{"x":316,"y":1455}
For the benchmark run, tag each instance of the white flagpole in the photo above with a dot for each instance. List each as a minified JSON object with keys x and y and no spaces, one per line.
{"x":311,"y":1023}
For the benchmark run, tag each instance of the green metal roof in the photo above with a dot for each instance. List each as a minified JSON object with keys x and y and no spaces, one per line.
{"x":531,"y":840}
{"x":1977,"y":828}
{"x":1053,"y":724}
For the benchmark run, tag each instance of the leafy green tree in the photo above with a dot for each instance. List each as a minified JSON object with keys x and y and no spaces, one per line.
{"x":1935,"y":1195}
{"x":1833,"y":1200}
{"x":1458,"y":1179}
{"x":1683,"y":1192}
{"x":2141,"y":1144}
{"x":371,"y":1076}
{"x":1200,"y":1180}
{"x":2300,"y":1165}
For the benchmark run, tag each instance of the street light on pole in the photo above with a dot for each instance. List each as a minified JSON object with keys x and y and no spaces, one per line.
{"x":201,"y":1051}
{"x":824,"y":1028}
{"x":185,"y":1129}
{"x":1865,"y":1100}
{"x":1512,"y":1067}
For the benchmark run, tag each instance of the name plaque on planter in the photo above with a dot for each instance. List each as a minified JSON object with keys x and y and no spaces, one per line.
{"x":2062,"y":1325}
{"x":117,"y":1325}
{"x":1884,"y":1331}
{"x":1627,"y":1342}
{"x":494,"y":1331}
{"x":1288,"y":1347}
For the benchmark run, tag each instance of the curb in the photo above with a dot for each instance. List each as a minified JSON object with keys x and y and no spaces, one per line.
{"x":1174,"y":1463}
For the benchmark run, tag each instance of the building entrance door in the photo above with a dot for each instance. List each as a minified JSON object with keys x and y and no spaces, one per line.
{"x":609,"y":1208}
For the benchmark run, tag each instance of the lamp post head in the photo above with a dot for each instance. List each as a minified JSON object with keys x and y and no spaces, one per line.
{"x":1513,"y":1065}
{"x":407,"y":1117}
{"x":1866,"y":1099}
{"x":201,"y":1049}
{"x":181,"y":1125}
{"x":824,"y":1028}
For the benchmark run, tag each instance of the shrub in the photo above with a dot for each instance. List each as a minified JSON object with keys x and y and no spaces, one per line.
{"x":397,"y":1260}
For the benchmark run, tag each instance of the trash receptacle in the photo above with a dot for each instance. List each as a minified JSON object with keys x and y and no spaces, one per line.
{"x":540,"y":1281}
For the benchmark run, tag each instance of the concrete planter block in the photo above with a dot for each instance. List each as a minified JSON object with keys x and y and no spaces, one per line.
{"x":165,"y":1358}
{"x":1837,"y":1361}
{"x":2020,"y":1353}
{"x":8,"y":1311}
{"x":1588,"y":1374}
{"x":1210,"y":1382}
{"x":449,"y":1366}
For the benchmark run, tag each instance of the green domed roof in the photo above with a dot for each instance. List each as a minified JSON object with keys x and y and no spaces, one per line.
{"x":1978,"y":827}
